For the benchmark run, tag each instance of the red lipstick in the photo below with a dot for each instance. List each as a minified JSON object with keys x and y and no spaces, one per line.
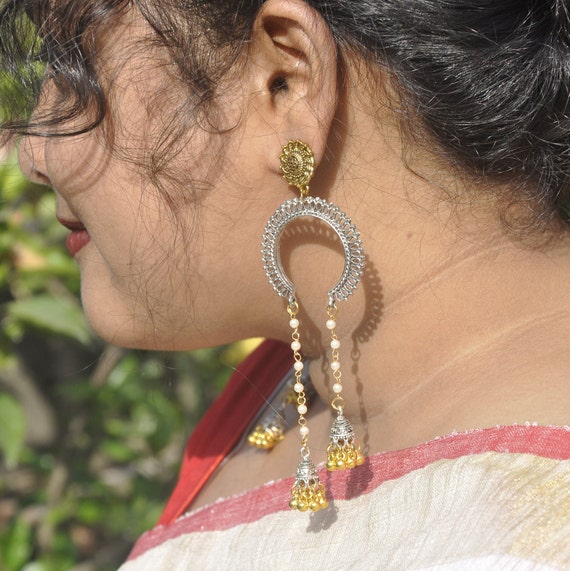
{"x":78,"y":238}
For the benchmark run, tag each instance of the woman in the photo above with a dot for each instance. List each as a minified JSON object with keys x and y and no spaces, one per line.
{"x":442,"y":129}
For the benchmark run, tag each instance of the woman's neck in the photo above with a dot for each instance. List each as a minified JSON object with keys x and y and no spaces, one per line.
{"x":477,"y":340}
{"x":456,"y":324}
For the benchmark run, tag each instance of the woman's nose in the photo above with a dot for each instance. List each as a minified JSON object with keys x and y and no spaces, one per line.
{"x":31,"y":157}
{"x":32,"y":148}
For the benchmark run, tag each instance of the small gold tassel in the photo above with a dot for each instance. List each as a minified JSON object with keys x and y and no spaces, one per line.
{"x":271,"y":428}
{"x":266,"y":435}
{"x":343,"y":451}
{"x":307,"y":492}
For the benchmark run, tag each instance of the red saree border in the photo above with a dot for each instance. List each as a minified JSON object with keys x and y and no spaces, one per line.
{"x":223,"y":425}
{"x":543,"y":441}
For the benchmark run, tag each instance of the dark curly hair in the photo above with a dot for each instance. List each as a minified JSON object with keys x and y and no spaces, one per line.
{"x":489,"y":80}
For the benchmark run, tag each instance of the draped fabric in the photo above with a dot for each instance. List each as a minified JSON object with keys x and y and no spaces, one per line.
{"x":496,"y":498}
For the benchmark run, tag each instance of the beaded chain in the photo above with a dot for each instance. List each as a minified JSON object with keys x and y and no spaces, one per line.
{"x":343,"y":451}
{"x":307,"y":491}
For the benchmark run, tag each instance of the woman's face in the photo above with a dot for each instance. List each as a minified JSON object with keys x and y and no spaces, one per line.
{"x":174,"y":274}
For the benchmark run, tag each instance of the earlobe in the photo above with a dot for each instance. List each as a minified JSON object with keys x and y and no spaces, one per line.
{"x":294,"y":55}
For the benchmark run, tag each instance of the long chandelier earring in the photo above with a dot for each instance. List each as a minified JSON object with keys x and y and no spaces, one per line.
{"x":297,"y":165}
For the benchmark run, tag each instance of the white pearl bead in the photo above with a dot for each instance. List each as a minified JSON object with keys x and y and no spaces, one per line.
{"x":294,"y":323}
{"x":298,"y":366}
{"x":304,"y":430}
{"x":295,"y":346}
{"x":302,"y":409}
{"x":335,"y":344}
{"x":335,"y":365}
{"x":298,"y":387}
{"x":337,"y":388}
{"x":331,"y":324}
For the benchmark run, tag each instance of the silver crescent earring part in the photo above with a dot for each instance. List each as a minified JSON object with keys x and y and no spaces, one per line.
{"x":337,"y":220}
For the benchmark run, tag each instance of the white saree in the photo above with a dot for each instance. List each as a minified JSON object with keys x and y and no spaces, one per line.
{"x":493,"y":499}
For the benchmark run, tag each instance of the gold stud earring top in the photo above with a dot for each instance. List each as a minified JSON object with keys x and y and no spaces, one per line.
{"x":297,"y":165}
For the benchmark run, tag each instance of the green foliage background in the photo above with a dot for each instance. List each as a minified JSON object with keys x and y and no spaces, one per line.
{"x":91,"y":435}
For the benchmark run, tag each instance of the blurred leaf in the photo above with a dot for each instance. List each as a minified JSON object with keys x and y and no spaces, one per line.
{"x":91,"y":512}
{"x":76,"y":392}
{"x":117,"y":450}
{"x":15,"y":546}
{"x":35,"y":566}
{"x":12,"y":429}
{"x":123,"y":372}
{"x":11,"y":180}
{"x":55,"y":315}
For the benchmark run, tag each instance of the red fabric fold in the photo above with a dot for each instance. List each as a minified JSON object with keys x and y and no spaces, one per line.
{"x":226,"y":420}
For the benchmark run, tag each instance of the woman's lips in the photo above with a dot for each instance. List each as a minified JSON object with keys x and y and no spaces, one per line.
{"x":78,"y":238}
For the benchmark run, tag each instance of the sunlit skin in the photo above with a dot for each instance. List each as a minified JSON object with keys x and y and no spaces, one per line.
{"x":456,"y":325}
{"x":151,"y":276}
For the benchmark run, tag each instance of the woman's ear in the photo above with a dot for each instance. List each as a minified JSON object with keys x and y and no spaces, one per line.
{"x":294,"y":70}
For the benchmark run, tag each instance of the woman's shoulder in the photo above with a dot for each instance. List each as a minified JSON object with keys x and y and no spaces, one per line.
{"x":485,"y":497}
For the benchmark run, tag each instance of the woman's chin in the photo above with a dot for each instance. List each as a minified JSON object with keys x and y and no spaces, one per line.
{"x":117,"y":326}
{"x":118,"y":320}
{"x":137,"y":332}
